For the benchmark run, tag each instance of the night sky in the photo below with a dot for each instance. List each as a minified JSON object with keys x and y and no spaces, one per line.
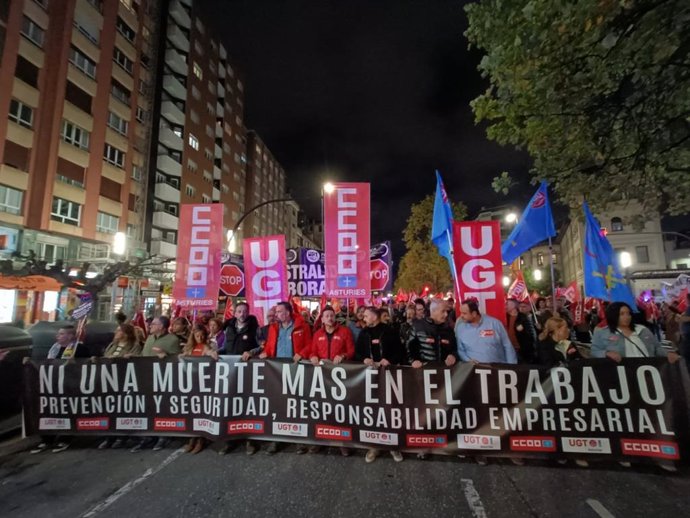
{"x":373,"y":91}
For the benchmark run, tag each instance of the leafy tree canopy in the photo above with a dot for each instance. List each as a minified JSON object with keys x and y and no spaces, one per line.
{"x":597,"y":91}
{"x":422,"y":265}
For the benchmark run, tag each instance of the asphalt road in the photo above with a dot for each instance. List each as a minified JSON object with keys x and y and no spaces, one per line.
{"x":86,"y":482}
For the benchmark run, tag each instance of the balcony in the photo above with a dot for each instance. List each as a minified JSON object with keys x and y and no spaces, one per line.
{"x":162,"y":219}
{"x":176,"y":61}
{"x":215,"y":194}
{"x":174,"y":87}
{"x":216,"y":172}
{"x":178,"y":38}
{"x":218,"y":151}
{"x":163,"y":248}
{"x":219,"y":130}
{"x":172,"y":112}
{"x":167,"y":192}
{"x":169,"y":139}
{"x":169,"y":165}
{"x":221,"y":90}
{"x":219,"y":110}
{"x":179,"y":14}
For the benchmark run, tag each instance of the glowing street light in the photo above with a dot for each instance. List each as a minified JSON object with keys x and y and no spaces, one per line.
{"x":328,"y":188}
{"x":231,"y":241}
{"x":119,"y":243}
{"x":538,"y":275}
{"x":511,"y":217}
{"x":506,"y":281}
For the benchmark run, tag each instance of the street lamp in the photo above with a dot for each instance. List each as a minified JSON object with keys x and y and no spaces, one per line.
{"x":328,"y":188}
{"x":119,"y":243}
{"x":231,"y":241}
{"x":506,"y":281}
{"x":538,"y":275}
{"x":511,"y":217}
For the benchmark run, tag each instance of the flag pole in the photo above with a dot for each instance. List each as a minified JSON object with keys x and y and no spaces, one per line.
{"x":553,"y":279}
{"x":454,"y":271}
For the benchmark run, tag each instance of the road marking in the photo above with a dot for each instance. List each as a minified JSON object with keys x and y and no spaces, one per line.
{"x":599,"y":508}
{"x":473,"y":499}
{"x":131,"y":485}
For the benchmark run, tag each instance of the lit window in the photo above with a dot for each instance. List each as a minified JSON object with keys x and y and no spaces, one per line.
{"x":194,"y":142}
{"x":616,"y":225}
{"x":197,"y":71}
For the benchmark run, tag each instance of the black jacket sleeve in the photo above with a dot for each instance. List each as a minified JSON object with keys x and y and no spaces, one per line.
{"x":362,"y":346}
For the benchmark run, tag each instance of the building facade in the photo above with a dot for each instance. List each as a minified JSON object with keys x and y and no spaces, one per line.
{"x":75,"y":102}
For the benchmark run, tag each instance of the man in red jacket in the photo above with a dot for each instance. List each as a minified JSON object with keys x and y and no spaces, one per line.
{"x":288,"y":337}
{"x":331,"y":342}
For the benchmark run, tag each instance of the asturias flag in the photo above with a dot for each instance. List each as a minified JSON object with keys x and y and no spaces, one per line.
{"x":442,"y":224}
{"x":535,"y":226}
{"x":603,"y":279}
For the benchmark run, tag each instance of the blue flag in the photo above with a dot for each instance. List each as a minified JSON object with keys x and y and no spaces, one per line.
{"x":535,"y":226}
{"x":442,"y":224}
{"x":603,"y":279}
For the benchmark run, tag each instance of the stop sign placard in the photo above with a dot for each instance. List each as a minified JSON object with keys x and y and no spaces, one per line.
{"x":231,"y":280}
{"x":379,"y":273}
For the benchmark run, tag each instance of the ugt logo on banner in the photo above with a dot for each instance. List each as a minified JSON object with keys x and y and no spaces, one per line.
{"x":199,"y":248}
{"x":265,"y":274}
{"x":478,"y":263}
{"x":346,"y":213}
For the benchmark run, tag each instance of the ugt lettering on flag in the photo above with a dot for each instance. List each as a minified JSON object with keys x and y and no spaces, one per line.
{"x":535,"y":226}
{"x":603,"y":279}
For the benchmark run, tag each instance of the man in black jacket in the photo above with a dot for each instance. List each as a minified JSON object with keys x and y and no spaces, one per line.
{"x":521,"y":332}
{"x":432,"y":340}
{"x":240,"y":339}
{"x":240,"y":331}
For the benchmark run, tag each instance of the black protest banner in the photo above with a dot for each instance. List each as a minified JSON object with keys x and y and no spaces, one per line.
{"x":597,"y":408}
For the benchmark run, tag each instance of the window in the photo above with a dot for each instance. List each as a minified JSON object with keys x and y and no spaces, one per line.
{"x":51,"y":253}
{"x":114,"y":156}
{"x":78,"y":97}
{"x":121,"y":59}
{"x":107,"y":223}
{"x":642,"y":253}
{"x":10,"y":200}
{"x":32,"y":31}
{"x":125,"y":30}
{"x":197,"y":71}
{"x":540,"y":259}
{"x":69,"y":181}
{"x":26,"y":71}
{"x":73,"y":134}
{"x":205,"y":198}
{"x":143,"y":87}
{"x":616,"y":225}
{"x":118,"y":123}
{"x":142,"y":115}
{"x":65,"y":211}
{"x":83,"y":63}
{"x":189,"y":190}
{"x":42,"y":3}
{"x":120,"y":92}
{"x":194,"y":142}
{"x":136,"y":173}
{"x":21,"y":113}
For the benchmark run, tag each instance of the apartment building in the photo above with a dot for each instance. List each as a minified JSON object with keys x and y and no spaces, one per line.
{"x":75,"y":102}
{"x":199,"y":140}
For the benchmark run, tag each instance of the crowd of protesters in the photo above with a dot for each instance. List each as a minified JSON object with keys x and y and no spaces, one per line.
{"x":413,"y":334}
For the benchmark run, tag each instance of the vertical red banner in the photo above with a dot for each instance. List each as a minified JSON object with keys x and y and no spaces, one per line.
{"x":265,"y":274}
{"x":479,"y":265}
{"x":199,"y":249}
{"x":346,"y":216}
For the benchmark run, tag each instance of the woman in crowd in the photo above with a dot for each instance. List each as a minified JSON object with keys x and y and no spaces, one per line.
{"x":124,"y":345}
{"x":216,"y":334}
{"x":180,"y":328}
{"x":555,"y":346}
{"x":623,"y":339}
{"x":198,"y":344}
{"x":378,"y":346}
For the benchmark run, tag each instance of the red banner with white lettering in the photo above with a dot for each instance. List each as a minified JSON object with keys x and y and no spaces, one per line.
{"x":346,"y":212}
{"x":479,"y":265}
{"x":577,"y":307}
{"x":265,"y":274}
{"x":518,"y":290}
{"x":199,"y":250}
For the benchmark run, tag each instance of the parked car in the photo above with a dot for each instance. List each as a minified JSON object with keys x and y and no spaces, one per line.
{"x":98,"y":336}
{"x":15,"y":345}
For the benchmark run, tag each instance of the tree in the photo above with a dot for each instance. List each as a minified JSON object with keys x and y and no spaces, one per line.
{"x":422,"y":265}
{"x":597,"y":91}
